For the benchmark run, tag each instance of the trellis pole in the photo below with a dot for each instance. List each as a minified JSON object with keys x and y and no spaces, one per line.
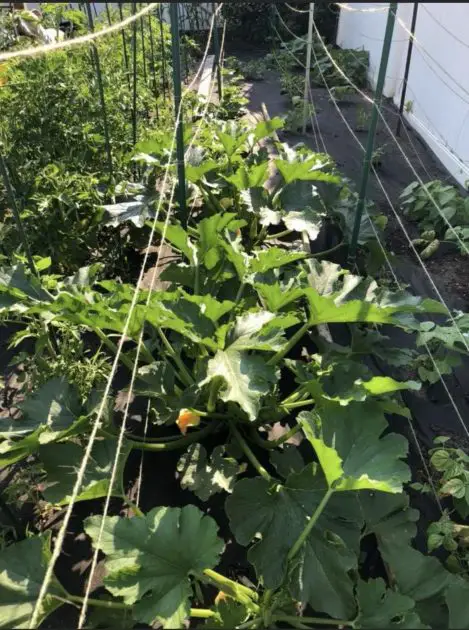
{"x":216,"y":47}
{"x":407,"y":66}
{"x":99,"y":77}
{"x":175,"y":49}
{"x":308,"y":64}
{"x":372,"y":129}
{"x":134,"y":76}
{"x":142,"y":36}
{"x":124,"y":45}
{"x":163,"y":53}
{"x":153,"y":64}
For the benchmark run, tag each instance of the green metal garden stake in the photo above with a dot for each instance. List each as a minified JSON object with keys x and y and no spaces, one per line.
{"x":134,"y":76}
{"x":308,"y":64}
{"x":16,"y":213}
{"x":372,"y":129}
{"x":108,"y":13}
{"x":153,"y":65}
{"x":182,"y":19}
{"x":177,"y":104}
{"x":142,"y":35}
{"x":99,"y":77}
{"x":216,"y":48}
{"x":124,"y":46}
{"x":163,"y":53}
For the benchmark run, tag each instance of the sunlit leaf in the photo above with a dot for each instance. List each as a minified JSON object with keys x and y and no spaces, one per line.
{"x":204,"y":475}
{"x":62,"y":461}
{"x":22,"y":572}
{"x":150,"y":559}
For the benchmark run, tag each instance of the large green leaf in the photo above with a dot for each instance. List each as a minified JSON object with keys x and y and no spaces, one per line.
{"x":155,"y":380}
{"x":352,"y":450}
{"x":22,"y":571}
{"x":207,"y":476}
{"x":195,"y":172}
{"x":266,"y":128}
{"x":177,"y":236}
{"x":259,"y":330}
{"x":308,"y":170}
{"x":383,"y":608}
{"x":15,"y":282}
{"x":273,"y":258}
{"x":277,"y":297}
{"x":150,"y":559}
{"x":455,"y":337}
{"x":137,"y":211}
{"x":421,"y":577}
{"x":272,"y":516}
{"x":339,"y":296}
{"x":185,"y":315}
{"x":307,"y":220}
{"x":212,"y":244}
{"x":55,"y":406}
{"x":457,"y":599}
{"x":62,"y":461}
{"x":52,"y":413}
{"x":328,"y":310}
{"x":298,"y":195}
{"x":249,"y":176}
{"x":247,"y":378}
{"x":92,"y":309}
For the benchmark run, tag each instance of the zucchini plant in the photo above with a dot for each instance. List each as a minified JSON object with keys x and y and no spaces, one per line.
{"x":433,"y":206}
{"x":254,"y":369}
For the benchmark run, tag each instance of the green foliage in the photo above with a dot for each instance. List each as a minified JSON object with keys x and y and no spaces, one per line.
{"x":432,"y":206}
{"x":452,"y":469}
{"x":353,"y":63}
{"x":54,"y":140}
{"x":252,"y":70}
{"x":238,"y":364}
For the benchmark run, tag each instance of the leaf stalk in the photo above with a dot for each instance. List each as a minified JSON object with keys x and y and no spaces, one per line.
{"x":311,"y":523}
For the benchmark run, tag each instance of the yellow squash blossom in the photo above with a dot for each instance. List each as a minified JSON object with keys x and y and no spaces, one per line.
{"x":221,"y":597}
{"x":186,"y":419}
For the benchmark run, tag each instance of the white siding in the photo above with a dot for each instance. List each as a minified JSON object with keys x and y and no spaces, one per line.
{"x":438,"y":87}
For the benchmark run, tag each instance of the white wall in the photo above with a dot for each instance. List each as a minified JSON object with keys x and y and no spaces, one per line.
{"x":440,"y":107}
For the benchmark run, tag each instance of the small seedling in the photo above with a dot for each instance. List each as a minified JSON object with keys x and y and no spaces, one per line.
{"x":363,"y":118}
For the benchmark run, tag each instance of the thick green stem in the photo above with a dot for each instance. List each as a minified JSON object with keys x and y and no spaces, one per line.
{"x":294,"y":396}
{"x":315,"y":620}
{"x":311,"y":523}
{"x":270,"y":444}
{"x":199,"y":613}
{"x":271,"y":237}
{"x":326,"y":252}
{"x":299,"y":403}
{"x":112,"y":346}
{"x":249,"y":454}
{"x":174,"y":444}
{"x":238,"y":297}
{"x":293,"y":341}
{"x":187,"y":378}
{"x":213,"y":395}
{"x":99,"y":603}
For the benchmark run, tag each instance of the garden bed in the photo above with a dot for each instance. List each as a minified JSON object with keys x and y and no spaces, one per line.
{"x":276,"y":425}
